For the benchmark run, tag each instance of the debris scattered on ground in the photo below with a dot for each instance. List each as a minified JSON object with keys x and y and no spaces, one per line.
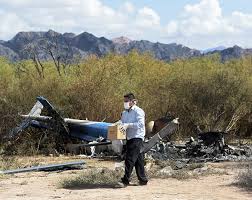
{"x":52,"y":167}
{"x":201,"y":150}
{"x":167,"y":171}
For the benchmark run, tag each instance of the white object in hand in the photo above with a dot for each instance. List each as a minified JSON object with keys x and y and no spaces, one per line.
{"x":123,"y":127}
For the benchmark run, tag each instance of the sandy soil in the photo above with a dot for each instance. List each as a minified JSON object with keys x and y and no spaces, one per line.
{"x":44,"y":185}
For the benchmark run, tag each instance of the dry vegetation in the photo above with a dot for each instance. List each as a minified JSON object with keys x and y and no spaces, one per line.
{"x":102,"y":177}
{"x":245,"y":178}
{"x":200,"y":91}
{"x":37,"y":185}
{"x":196,"y":180}
{"x":105,"y":177}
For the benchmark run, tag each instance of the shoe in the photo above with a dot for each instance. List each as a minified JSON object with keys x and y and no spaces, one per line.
{"x":143,"y":182}
{"x":121,"y":184}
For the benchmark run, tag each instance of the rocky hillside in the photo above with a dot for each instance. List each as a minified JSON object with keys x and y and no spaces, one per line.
{"x":26,"y":45}
{"x":233,"y":52}
{"x":68,"y":47}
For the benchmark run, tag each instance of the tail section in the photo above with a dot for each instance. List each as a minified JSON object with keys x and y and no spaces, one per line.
{"x":35,"y":111}
{"x":58,"y":121}
{"x":34,"y":118}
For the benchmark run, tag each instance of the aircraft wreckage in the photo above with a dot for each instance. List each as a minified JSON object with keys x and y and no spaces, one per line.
{"x":208,"y":146}
{"x":92,"y":132}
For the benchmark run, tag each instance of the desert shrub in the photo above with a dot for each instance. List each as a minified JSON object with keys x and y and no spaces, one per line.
{"x":200,"y":91}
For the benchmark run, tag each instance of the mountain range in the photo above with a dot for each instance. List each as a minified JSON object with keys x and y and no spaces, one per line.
{"x":68,"y":46}
{"x":219,"y":48}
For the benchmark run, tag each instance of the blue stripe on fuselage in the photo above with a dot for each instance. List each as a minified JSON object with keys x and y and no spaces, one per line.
{"x":89,"y":131}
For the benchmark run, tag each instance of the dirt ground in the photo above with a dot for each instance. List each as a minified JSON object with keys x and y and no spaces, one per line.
{"x":44,"y":185}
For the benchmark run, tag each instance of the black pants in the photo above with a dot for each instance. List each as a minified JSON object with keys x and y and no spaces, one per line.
{"x":134,"y":159}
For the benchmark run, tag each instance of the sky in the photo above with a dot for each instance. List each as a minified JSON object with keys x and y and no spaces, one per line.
{"x":199,"y":24}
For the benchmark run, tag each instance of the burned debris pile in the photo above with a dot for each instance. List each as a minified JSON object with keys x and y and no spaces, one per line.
{"x":208,"y":146}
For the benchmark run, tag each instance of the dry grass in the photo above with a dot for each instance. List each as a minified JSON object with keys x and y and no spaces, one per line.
{"x":2,"y":176}
{"x":92,"y":178}
{"x":8,"y":163}
{"x":195,"y":166}
{"x":104,"y":177}
{"x":99,"y":175}
{"x":245,"y":178}
{"x":182,"y":175}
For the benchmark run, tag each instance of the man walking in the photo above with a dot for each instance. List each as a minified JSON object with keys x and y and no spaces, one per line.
{"x":133,"y":121}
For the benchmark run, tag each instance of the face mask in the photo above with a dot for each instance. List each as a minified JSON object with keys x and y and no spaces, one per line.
{"x":126,"y":105}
